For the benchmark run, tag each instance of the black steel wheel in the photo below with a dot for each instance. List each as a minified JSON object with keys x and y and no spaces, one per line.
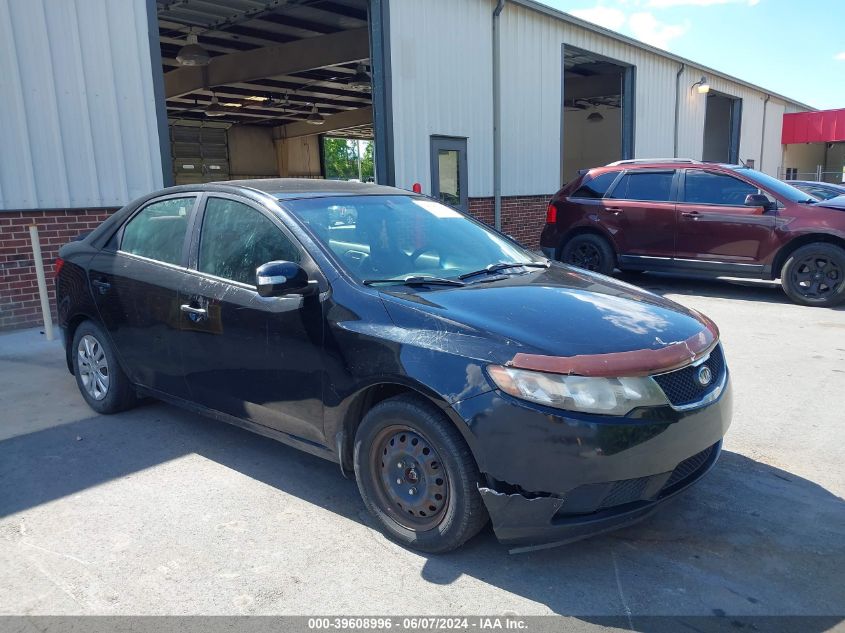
{"x":417,"y":475}
{"x":589,"y":251}
{"x":413,"y":486}
{"x":814,"y":275}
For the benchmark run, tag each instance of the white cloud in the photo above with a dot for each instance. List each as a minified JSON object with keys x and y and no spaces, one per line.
{"x":840,"y":56}
{"x":663,"y":4}
{"x":646,"y":28}
{"x":607,"y":17}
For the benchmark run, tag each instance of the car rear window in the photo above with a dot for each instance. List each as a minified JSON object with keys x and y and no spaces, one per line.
{"x":596,"y":187}
{"x":158,"y":230}
{"x":653,"y":186}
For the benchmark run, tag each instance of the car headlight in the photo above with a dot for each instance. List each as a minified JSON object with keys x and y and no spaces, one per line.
{"x":608,"y":396}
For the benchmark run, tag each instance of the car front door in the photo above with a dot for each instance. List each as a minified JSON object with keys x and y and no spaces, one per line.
{"x":135,"y":282}
{"x":716,"y":227}
{"x":639,"y":212}
{"x":249,"y":356}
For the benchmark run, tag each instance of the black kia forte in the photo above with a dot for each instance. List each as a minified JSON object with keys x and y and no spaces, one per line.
{"x":460,"y":376}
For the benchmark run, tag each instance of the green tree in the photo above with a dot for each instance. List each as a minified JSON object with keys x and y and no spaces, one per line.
{"x":340,"y":156}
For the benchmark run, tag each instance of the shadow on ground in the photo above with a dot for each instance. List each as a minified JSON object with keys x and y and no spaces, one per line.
{"x":750,"y":539}
{"x":724,"y":288}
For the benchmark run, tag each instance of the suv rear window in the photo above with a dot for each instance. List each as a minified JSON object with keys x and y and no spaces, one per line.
{"x":654,"y":186}
{"x":596,"y":187}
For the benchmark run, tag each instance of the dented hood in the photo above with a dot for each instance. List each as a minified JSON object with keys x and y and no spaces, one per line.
{"x":542,"y":316}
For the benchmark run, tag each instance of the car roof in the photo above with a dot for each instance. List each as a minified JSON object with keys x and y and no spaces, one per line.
{"x":314,"y":187}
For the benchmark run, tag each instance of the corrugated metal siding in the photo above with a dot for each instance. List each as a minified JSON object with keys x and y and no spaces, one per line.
{"x":441,"y":55}
{"x":78,"y":122}
{"x":442,"y":66}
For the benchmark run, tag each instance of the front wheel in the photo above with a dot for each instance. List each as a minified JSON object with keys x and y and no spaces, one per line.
{"x":814,"y":275}
{"x":417,"y":476}
{"x":589,"y":251}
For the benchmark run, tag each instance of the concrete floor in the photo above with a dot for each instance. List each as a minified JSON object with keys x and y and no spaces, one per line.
{"x":159,"y":511}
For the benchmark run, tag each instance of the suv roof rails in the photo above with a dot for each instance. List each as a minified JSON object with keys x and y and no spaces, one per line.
{"x":646,"y":161}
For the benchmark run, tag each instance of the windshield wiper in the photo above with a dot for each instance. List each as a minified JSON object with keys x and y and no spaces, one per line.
{"x":494,"y":268}
{"x":418,"y":280}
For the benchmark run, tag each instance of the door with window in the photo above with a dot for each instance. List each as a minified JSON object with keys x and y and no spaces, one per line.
{"x":639,"y":212}
{"x":253,"y":357}
{"x":449,"y":171}
{"x":715,"y":225}
{"x":135,"y":282}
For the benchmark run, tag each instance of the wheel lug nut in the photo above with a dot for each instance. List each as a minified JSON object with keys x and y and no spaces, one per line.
{"x":412,"y":491}
{"x":399,"y":480}
{"x":400,"y":465}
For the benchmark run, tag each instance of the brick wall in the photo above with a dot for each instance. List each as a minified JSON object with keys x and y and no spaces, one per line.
{"x":523,"y":217}
{"x":20,"y":305}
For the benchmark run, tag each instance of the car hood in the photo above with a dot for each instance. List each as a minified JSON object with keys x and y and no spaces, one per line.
{"x":833,"y":203}
{"x":557,"y":311}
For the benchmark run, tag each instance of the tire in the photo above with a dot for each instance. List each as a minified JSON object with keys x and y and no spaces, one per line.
{"x":407,"y":454}
{"x":106,"y":388}
{"x":589,"y":251}
{"x":814,"y":275}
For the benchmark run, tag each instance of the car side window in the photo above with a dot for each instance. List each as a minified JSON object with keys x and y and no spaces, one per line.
{"x":652,"y":186}
{"x":235,"y":239}
{"x":706,"y":187}
{"x":158,"y":230}
{"x":596,"y":187}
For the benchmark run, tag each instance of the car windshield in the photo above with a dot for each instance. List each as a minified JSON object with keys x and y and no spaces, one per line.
{"x":378,"y":237}
{"x":775,"y":186}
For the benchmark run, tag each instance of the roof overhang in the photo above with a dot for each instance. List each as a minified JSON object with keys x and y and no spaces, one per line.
{"x":824,"y":126}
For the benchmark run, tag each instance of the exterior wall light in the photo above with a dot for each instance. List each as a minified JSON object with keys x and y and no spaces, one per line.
{"x":702,"y":85}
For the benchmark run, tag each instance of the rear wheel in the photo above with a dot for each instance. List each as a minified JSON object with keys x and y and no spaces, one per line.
{"x":814,"y":275}
{"x":589,"y":251}
{"x":99,"y":377}
{"x":417,"y":476}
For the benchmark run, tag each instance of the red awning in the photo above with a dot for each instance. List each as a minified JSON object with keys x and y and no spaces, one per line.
{"x":826,"y":126}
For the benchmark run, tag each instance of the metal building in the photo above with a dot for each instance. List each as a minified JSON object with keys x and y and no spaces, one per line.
{"x":489,"y":104}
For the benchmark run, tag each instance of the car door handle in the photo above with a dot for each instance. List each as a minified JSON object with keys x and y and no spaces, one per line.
{"x":690,"y":214}
{"x":200,"y":312}
{"x":614,"y":210}
{"x":102,"y":286}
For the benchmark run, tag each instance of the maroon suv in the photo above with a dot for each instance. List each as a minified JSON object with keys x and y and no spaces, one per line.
{"x":685,"y":216}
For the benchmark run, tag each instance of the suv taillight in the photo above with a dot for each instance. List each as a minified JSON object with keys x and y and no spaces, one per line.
{"x":551,"y":214}
{"x":58,"y":267}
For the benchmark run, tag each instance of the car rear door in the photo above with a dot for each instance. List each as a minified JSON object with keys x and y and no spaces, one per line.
{"x":716,"y":227}
{"x":639,"y":211}
{"x":135,"y":282}
{"x":249,"y":356}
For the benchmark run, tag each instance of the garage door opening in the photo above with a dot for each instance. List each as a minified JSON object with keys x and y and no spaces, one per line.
{"x":597,"y":111}
{"x":253,"y":86}
{"x":721,"y":128}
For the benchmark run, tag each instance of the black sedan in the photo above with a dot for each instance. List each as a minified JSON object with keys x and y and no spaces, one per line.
{"x":457,"y":374}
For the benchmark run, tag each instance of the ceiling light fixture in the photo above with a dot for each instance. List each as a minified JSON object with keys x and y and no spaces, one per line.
{"x":702,"y":85}
{"x":214,"y":108}
{"x":361,"y":80}
{"x":315,"y":118}
{"x":192,"y":54}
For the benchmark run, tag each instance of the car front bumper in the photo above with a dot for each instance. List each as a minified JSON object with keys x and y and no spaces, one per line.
{"x":554,"y":477}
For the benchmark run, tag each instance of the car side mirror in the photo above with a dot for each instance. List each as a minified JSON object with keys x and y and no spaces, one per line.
{"x":278,"y":278}
{"x":759,"y":200}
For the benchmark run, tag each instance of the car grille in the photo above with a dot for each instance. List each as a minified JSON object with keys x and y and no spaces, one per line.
{"x":682,"y":387}
{"x":688,"y":467}
{"x":631,"y":490}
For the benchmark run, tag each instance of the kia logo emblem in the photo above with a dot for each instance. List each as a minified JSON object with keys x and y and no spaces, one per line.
{"x":704,"y":376}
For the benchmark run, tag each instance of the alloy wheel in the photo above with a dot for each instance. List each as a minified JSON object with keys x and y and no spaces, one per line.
{"x":93,"y":367}
{"x":586,"y":256}
{"x":816,"y":276}
{"x":411,"y":479}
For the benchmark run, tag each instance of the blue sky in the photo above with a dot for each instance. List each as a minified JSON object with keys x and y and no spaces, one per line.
{"x":792,"y":47}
